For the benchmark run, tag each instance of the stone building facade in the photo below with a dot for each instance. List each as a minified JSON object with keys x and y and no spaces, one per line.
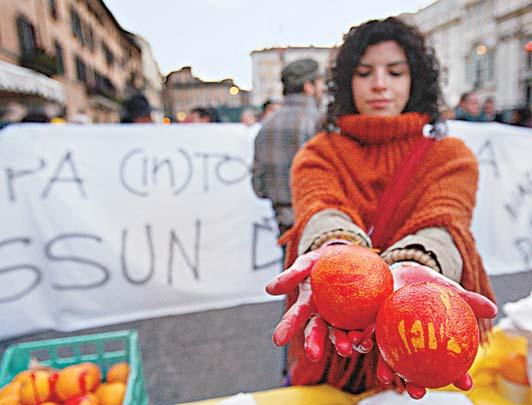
{"x":183,"y":92}
{"x":77,"y":43}
{"x":482,"y":45}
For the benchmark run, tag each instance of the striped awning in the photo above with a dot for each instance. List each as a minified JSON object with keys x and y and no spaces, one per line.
{"x":17,"y":79}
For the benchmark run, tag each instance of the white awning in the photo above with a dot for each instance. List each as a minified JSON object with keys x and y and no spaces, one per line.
{"x":18,"y":79}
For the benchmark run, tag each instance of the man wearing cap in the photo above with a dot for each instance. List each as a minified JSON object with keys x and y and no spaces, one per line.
{"x":283,"y":133}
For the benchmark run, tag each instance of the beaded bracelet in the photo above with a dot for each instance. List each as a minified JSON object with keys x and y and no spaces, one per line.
{"x":352,"y":237}
{"x":401,"y":255}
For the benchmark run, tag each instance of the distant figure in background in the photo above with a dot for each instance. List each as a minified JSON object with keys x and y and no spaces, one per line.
{"x":249,"y":116}
{"x":36,"y":116}
{"x":4,"y":117}
{"x":204,"y":115}
{"x":284,"y":133}
{"x":521,"y":117}
{"x":81,"y":117}
{"x":269,"y":107}
{"x":447,"y":113}
{"x":137,"y":110}
{"x":468,"y":108}
{"x":488,"y":110}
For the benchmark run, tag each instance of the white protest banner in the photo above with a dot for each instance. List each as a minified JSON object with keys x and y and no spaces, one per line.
{"x":502,"y":221}
{"x":107,"y":224}
{"x":110,"y":223}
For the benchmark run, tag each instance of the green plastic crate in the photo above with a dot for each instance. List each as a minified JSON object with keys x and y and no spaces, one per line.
{"x":104,"y":349}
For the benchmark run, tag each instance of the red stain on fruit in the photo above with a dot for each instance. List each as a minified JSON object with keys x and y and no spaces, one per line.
{"x":349,"y":283}
{"x":427,"y":334}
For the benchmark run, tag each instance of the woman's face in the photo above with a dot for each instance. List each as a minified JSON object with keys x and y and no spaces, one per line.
{"x":381,"y":82}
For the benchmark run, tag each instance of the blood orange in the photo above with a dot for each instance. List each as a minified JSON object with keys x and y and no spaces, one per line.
{"x":427,"y":334}
{"x":349,"y":283}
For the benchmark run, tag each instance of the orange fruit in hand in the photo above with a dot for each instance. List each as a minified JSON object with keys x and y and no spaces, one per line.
{"x":118,"y":372}
{"x":111,"y":393}
{"x":349,"y":283}
{"x":514,"y":369}
{"x":427,"y":334}
{"x":77,"y":380}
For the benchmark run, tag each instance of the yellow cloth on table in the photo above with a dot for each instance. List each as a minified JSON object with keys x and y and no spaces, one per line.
{"x":483,"y":371}
{"x":487,"y":365}
{"x":299,"y":395}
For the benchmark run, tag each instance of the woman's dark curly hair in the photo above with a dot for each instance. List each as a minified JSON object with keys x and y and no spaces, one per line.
{"x":425,"y":92}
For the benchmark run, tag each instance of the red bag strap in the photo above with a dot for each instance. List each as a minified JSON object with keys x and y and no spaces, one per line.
{"x":393,"y":193}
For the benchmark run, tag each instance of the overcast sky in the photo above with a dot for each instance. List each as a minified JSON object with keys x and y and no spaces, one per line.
{"x":216,"y":37}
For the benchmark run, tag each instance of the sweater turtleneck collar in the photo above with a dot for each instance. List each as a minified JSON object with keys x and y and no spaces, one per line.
{"x":379,"y":130}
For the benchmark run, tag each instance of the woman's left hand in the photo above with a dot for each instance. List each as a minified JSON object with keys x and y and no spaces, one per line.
{"x":405,"y":273}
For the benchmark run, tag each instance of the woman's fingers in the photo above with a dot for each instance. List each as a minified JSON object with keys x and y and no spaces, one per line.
{"x":295,"y":317}
{"x":289,"y":279}
{"x":481,"y":306}
{"x":315,"y":335}
{"x":408,"y":274}
{"x":340,"y":341}
{"x":464,"y":383}
{"x":362,"y":341}
{"x":384,"y":372}
{"x":415,"y":391}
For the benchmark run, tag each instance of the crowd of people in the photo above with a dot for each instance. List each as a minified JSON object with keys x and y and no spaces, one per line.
{"x":136,"y":109}
{"x":470,"y":109}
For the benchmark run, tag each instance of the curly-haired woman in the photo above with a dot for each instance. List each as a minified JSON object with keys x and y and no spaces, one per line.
{"x":383,"y":138}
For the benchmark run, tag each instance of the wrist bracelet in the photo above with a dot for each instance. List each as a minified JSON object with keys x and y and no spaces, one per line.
{"x":352,"y":237}
{"x":401,"y":255}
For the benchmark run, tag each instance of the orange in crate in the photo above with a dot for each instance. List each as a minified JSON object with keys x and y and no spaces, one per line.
{"x":11,"y":389}
{"x":85,"y":399}
{"x":111,"y":393}
{"x":77,"y":380}
{"x":10,"y":400}
{"x":427,"y":334}
{"x":118,"y":372}
{"x":349,"y":284}
{"x":35,"y":388}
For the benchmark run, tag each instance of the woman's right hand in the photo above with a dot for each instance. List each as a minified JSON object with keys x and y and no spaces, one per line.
{"x":296,"y":278}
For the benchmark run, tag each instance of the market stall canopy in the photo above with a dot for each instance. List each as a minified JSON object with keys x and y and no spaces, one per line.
{"x":17,"y":79}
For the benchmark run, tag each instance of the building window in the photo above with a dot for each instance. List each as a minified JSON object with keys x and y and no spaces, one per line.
{"x":81,"y":70}
{"x":90,"y":38}
{"x":444,"y":76}
{"x":53,"y":8}
{"x":60,"y":66}
{"x":77,"y":28}
{"x":480,"y":66}
{"x":109,"y":57}
{"x":26,"y":36}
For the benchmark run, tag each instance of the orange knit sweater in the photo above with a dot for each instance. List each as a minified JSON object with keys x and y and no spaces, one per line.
{"x":348,"y":171}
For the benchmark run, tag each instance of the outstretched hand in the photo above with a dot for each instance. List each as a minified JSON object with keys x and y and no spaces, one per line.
{"x":405,"y":273}
{"x":296,"y":278}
